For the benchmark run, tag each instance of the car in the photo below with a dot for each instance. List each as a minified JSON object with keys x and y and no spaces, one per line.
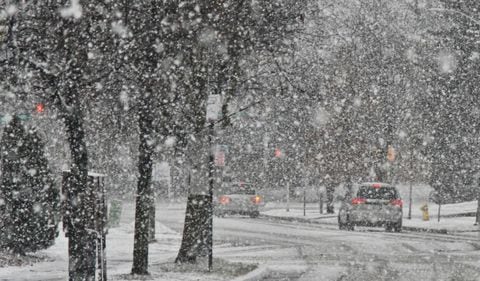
{"x":238,"y":198}
{"x":371,"y":204}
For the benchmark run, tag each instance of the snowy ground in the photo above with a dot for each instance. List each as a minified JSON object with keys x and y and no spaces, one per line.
{"x":323,"y":252}
{"x":119,"y":259}
{"x":273,"y":249}
{"x":452,"y":221}
{"x":452,"y":217}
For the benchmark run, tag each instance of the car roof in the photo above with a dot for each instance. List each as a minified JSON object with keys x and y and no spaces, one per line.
{"x":382,"y":184}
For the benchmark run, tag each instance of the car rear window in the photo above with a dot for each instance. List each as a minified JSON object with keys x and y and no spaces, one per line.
{"x":241,"y":188}
{"x":384,"y":193}
{"x":244,"y":191}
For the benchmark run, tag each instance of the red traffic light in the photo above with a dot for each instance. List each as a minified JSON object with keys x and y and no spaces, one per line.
{"x":278,"y":153}
{"x":39,"y":107}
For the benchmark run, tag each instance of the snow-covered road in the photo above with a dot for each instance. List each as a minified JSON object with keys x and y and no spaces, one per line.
{"x":284,"y":251}
{"x":326,"y":253}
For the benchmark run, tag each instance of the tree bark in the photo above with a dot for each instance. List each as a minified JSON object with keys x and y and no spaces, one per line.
{"x":144,"y":189}
{"x":195,"y":232}
{"x":330,"y":191}
{"x":81,"y":241}
{"x":194,"y":240}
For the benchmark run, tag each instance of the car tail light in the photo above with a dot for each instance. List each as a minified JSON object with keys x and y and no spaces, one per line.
{"x":357,"y":201}
{"x":256,"y":199}
{"x":397,"y":202}
{"x":224,"y":200}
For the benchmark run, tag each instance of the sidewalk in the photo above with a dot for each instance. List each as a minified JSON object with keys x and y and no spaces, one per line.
{"x":452,"y":216}
{"x":52,"y":264}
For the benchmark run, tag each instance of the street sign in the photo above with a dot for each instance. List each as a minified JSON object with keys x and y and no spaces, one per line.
{"x":214,"y":107}
{"x":220,"y":152}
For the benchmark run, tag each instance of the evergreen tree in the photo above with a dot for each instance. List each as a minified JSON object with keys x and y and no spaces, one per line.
{"x":10,"y":145}
{"x":27,"y":191}
{"x":44,"y":194}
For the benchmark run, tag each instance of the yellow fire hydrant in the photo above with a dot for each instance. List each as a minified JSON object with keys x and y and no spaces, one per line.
{"x":425,"y":215}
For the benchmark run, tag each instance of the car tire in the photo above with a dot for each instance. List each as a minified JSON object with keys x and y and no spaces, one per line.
{"x":388,"y":227}
{"x":397,"y":227}
{"x":219,"y":214}
{"x":350,"y":226}
{"x":341,"y":225}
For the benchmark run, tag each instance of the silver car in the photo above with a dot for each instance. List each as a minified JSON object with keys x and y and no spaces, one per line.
{"x":239,"y":198}
{"x":371,"y":204}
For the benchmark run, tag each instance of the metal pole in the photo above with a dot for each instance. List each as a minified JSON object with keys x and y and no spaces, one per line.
{"x":439,"y":202}
{"x":410,"y":202}
{"x":410,"y":191}
{"x":265,"y":158}
{"x":321,"y":202}
{"x":210,"y":195}
{"x":288,"y":196}
{"x":477,"y":219}
{"x":304,"y":202}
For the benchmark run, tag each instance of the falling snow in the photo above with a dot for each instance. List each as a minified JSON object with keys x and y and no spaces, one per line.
{"x":239,"y":140}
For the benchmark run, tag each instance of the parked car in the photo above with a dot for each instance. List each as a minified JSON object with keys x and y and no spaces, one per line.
{"x":238,"y":198}
{"x":371,"y":204}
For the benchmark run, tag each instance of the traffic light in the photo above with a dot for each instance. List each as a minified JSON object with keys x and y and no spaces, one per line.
{"x":278,"y":153}
{"x":390,"y":153}
{"x":39,"y":107}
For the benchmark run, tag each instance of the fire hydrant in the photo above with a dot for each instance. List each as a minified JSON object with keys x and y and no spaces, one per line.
{"x":425,"y":215}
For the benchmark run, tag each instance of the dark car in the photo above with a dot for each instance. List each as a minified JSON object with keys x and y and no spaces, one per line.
{"x":371,"y":204}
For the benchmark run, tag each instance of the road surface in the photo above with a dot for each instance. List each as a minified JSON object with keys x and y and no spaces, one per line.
{"x":302,"y":251}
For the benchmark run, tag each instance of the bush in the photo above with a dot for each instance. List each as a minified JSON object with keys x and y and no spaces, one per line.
{"x":28,"y":197}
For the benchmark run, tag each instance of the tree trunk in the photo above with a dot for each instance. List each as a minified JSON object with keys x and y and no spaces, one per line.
{"x":151,"y":229}
{"x":81,"y":241}
{"x":195,"y":231}
{"x":144,"y":189}
{"x":330,"y":191}
{"x":194,"y":241}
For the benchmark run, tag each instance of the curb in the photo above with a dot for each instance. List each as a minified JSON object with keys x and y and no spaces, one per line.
{"x":317,"y":221}
{"x":296,"y":219}
{"x":466,"y":214}
{"x":259,"y":273}
{"x":423,"y":229}
{"x":268,"y":271}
